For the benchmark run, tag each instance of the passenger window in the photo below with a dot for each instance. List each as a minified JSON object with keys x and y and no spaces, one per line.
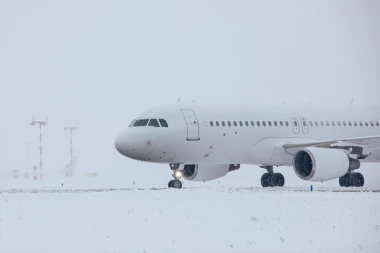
{"x":246,"y":123}
{"x":264,"y":123}
{"x":355,"y":124}
{"x":322,"y":123}
{"x":316,"y":123}
{"x":211,"y":123}
{"x":286,"y":123}
{"x":229,"y":123}
{"x":141,"y":122}
{"x":269,"y":123}
{"x":344,"y":123}
{"x":349,"y":123}
{"x":163,"y":123}
{"x":252,"y":123}
{"x":295,"y":123}
{"x":235,"y":124}
{"x":153,"y":123}
{"x":361,"y":123}
{"x":327,"y":123}
{"x":258,"y":123}
{"x":311,"y":123}
{"x":377,"y":124}
{"x":281,"y":124}
{"x":217,"y":123}
{"x":371,"y":123}
{"x":223,"y":124}
{"x":333,"y":123}
{"x":275,"y":123}
{"x":338,"y":123}
{"x":366,"y":124}
{"x":240,"y":123}
{"x":304,"y":123}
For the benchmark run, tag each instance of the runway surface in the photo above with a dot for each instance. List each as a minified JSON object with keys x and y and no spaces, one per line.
{"x":199,"y":219}
{"x":89,"y":190}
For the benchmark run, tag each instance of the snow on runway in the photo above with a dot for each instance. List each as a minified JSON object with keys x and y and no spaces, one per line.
{"x":199,"y":219}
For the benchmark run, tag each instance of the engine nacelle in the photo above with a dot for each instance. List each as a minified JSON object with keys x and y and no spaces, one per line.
{"x":322,"y":164}
{"x":206,"y":172}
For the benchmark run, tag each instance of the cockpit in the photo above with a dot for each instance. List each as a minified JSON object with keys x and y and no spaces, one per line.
{"x":149,"y":122}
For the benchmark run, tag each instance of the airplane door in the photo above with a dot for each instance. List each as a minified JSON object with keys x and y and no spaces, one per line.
{"x":192,"y":125}
{"x":296,"y":126}
{"x":304,"y":125}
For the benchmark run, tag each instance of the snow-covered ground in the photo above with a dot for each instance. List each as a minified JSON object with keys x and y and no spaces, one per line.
{"x":193,"y":219}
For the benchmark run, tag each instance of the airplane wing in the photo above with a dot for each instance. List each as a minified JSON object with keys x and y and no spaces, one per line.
{"x":361,"y":141}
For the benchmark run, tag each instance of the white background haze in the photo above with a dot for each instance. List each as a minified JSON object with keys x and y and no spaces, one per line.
{"x":100,"y":63}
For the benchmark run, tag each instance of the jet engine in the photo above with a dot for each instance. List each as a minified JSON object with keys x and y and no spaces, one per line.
{"x":207,"y":172}
{"x":322,"y":164}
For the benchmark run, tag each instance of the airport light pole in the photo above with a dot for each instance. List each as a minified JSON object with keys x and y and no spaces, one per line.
{"x":71,"y":129}
{"x":40,"y":123}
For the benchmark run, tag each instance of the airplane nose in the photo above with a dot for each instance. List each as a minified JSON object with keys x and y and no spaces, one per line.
{"x":120,"y":144}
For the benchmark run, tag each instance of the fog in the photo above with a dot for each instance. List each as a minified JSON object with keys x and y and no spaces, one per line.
{"x":100,"y":63}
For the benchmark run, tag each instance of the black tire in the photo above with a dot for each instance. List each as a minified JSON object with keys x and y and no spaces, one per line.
{"x":280,"y":180}
{"x":266,"y":180}
{"x":357,"y":180}
{"x":361,"y":180}
{"x":170,"y":184}
{"x":346,"y":180}
{"x":277,"y":180}
{"x":341,"y":181}
{"x":177,"y":184}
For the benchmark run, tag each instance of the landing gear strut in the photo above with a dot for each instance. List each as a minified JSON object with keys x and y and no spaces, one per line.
{"x":176,"y":175}
{"x":354,"y":179}
{"x":271,"y":179}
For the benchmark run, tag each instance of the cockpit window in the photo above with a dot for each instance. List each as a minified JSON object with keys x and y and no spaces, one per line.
{"x":141,"y":122}
{"x":163,"y":123}
{"x":133,"y":122}
{"x":153,"y":123}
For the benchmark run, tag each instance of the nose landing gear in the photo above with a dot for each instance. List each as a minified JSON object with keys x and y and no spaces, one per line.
{"x":176,"y":183}
{"x":271,"y":179}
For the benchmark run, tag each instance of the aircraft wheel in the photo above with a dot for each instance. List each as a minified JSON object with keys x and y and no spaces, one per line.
{"x":346,"y":180}
{"x":341,"y":181}
{"x":277,"y":180}
{"x":266,"y":180}
{"x":356,"y":179}
{"x":170,"y":184}
{"x":177,"y":184}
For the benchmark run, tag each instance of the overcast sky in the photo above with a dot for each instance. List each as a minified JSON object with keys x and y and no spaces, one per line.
{"x":100,"y":63}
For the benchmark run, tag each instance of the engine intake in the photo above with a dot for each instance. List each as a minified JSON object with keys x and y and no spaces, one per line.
{"x":322,"y":164}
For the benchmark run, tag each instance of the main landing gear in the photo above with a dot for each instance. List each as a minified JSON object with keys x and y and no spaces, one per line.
{"x":354,"y":179}
{"x":271,"y":179}
{"x":176,"y":183}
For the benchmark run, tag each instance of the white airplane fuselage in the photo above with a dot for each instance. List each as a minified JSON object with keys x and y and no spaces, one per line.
{"x":243,"y":135}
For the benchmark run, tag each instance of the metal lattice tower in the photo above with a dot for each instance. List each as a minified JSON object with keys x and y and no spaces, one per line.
{"x":40,"y":123}
{"x":71,"y":129}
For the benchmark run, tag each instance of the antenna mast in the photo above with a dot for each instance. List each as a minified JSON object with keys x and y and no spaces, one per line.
{"x":71,"y":129}
{"x":40,"y":123}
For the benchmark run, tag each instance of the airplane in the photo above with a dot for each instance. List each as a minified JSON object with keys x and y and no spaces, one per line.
{"x":203,"y":143}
